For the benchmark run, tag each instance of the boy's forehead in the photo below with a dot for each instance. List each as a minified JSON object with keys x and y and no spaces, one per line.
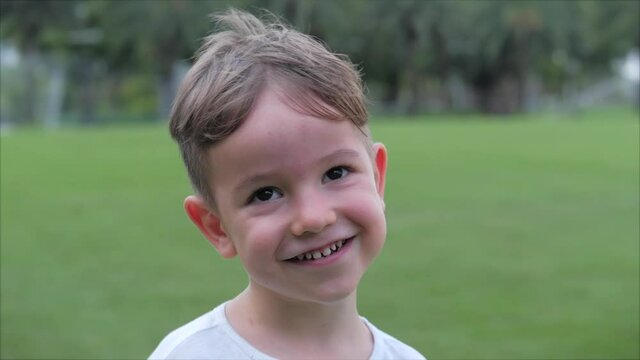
{"x":277,"y":135}
{"x":283,"y":141}
{"x":278,"y":119}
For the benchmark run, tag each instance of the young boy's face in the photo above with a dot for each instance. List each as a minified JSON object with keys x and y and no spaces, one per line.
{"x":290,"y":186}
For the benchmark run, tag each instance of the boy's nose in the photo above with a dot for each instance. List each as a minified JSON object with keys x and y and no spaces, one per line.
{"x":311,"y":215}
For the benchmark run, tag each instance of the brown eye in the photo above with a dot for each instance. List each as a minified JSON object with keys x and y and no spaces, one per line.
{"x":265,"y":194}
{"x":336,"y":173}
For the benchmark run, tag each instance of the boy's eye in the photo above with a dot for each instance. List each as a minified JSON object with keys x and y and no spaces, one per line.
{"x":336,"y":173}
{"x":265,"y":194}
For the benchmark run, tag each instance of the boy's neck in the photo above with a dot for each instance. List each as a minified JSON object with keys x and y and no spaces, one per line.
{"x":272,"y":323}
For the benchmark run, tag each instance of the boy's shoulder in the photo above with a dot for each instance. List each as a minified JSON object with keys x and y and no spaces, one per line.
{"x":388,"y":347}
{"x":207,"y":337}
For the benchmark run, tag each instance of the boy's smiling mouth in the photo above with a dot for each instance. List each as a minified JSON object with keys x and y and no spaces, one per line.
{"x":321,"y":253}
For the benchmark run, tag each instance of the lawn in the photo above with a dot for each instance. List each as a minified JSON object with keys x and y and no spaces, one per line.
{"x":508,"y":238}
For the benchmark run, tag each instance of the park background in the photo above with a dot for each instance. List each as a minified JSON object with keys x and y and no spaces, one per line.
{"x":512,"y":197}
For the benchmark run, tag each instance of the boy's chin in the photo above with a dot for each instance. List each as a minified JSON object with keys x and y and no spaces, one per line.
{"x":325,"y":296}
{"x":334,"y":293}
{"x":327,"y":293}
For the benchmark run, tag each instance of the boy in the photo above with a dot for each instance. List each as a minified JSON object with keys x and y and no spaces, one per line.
{"x":273,"y":131}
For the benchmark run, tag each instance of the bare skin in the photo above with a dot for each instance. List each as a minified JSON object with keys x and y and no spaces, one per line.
{"x":293,"y":330}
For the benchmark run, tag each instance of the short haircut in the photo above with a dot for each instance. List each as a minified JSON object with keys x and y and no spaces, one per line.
{"x":231,"y":69}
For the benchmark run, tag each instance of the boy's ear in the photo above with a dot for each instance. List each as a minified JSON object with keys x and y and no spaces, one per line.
{"x":380,"y":170}
{"x":210,"y":225}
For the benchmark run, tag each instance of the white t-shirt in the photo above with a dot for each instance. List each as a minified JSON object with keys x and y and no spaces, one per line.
{"x":211,"y":337}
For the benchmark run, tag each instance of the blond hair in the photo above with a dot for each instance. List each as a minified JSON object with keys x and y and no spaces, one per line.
{"x":233,"y":66}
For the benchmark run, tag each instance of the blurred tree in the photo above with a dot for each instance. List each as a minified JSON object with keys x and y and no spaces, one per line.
{"x":152,"y":36}
{"x":86,"y":42}
{"x":583,"y":49}
{"x":493,"y":50}
{"x":611,"y":29}
{"x":385,"y":38}
{"x":410,"y":50}
{"x":496,"y":46}
{"x":34,"y":26}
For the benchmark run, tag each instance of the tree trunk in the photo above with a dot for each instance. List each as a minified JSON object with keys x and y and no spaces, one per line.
{"x":55,"y":97}
{"x":500,"y":96}
{"x":442,"y":64}
{"x":165,"y":94}
{"x":88,"y":97}
{"x":392,"y":90}
{"x":30,"y":95}
{"x":412,"y":76}
{"x":415,"y":98}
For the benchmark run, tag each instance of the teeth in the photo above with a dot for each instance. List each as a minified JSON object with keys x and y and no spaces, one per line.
{"x":317,"y":254}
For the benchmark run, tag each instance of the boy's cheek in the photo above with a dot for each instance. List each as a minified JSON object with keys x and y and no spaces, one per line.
{"x":259,"y":235}
{"x":367,"y":210}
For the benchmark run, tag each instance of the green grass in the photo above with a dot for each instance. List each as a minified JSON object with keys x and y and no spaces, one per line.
{"x":509,"y":238}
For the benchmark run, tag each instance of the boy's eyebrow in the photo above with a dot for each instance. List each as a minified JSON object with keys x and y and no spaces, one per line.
{"x":340,"y":153}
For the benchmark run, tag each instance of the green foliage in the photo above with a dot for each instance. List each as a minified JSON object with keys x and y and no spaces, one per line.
{"x":488,"y":43}
{"x":10,"y":94}
{"x":137,"y":95}
{"x":507,"y":239}
{"x":42,"y":24}
{"x":409,"y":50}
{"x":152,"y":34}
